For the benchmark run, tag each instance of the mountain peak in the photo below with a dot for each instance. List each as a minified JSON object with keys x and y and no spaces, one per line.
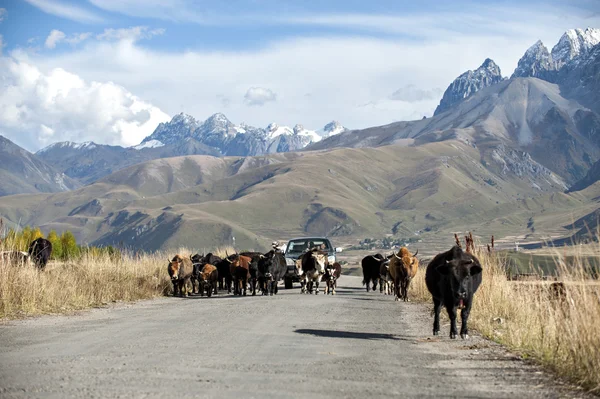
{"x":573,"y":43}
{"x":333,"y":128}
{"x":469,"y":83}
{"x":536,"y":62}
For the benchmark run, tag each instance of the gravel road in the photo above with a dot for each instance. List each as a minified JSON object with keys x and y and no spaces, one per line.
{"x":354,"y":345}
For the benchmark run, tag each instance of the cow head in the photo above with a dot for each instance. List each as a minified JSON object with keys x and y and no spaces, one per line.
{"x":409,"y":260}
{"x":459,"y":267}
{"x":320,"y":258}
{"x":174,"y":267}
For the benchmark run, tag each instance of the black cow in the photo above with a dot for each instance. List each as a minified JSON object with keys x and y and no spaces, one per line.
{"x":371,"y":265}
{"x":452,"y":277}
{"x":224,"y":272}
{"x":271,"y":269}
{"x":40,"y":251}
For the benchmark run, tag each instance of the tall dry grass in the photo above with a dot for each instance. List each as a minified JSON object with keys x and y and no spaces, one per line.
{"x":563,"y":334}
{"x":94,"y":279}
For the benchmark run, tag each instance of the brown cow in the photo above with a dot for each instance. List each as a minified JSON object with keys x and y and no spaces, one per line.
{"x":403,"y":267}
{"x":239,"y":266}
{"x":180,"y":270}
{"x":208,"y":280}
{"x":332,"y":273}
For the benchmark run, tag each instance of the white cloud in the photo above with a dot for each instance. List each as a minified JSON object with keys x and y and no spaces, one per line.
{"x":67,"y":11}
{"x":38,"y":108}
{"x":411,"y":93}
{"x":54,"y":38}
{"x":134,"y":33}
{"x":259,"y":96}
{"x":78,"y":38}
{"x":3,"y":14}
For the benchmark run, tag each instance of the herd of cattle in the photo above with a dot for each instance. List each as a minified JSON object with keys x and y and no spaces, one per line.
{"x":451,"y":277}
{"x":207,"y":274}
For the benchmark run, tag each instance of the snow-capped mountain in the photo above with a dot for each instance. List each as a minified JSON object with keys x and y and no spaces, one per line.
{"x":574,"y":43}
{"x":469,"y":83}
{"x":537,"y":62}
{"x":227,"y":138}
{"x":332,"y":128}
{"x":182,"y":135}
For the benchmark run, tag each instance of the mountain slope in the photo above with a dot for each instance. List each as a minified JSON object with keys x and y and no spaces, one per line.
{"x":469,"y":83}
{"x":524,"y":116}
{"x":202,"y":201}
{"x":22,"y":172}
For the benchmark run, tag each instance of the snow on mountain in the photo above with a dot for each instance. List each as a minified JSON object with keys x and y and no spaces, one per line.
{"x":227,"y":138}
{"x":149,"y":144}
{"x":332,"y":128}
{"x":274,"y":130}
{"x":69,"y":144}
{"x":573,"y":43}
{"x":469,"y":83}
{"x":536,"y":62}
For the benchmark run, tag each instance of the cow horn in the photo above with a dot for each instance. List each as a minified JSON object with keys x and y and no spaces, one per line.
{"x":262,"y":256}
{"x":168,"y":260}
{"x":226,"y":254}
{"x":416,"y":253}
{"x":397,"y":256}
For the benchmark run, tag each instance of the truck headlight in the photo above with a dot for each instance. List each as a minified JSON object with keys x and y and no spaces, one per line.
{"x":331,"y":259}
{"x":290,"y":262}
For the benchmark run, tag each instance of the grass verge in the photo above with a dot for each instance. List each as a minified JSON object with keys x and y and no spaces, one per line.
{"x":88,"y":281}
{"x":561,"y":333}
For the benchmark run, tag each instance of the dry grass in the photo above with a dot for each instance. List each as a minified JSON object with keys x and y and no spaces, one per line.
{"x":561,"y":334}
{"x":87,"y":282}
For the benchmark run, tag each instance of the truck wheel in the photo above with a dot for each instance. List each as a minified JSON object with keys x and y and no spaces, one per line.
{"x":289,"y":283}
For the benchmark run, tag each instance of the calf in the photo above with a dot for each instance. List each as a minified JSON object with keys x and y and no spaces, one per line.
{"x":332,"y":273}
{"x":386,"y":283}
{"x":314,"y":263}
{"x":403,"y":268}
{"x":40,"y":251}
{"x":371,"y":265}
{"x":180,"y":270}
{"x":208,"y":280}
{"x":452,"y":278}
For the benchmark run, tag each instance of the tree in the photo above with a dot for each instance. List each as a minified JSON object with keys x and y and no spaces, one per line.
{"x":57,"y":251}
{"x":69,"y":245}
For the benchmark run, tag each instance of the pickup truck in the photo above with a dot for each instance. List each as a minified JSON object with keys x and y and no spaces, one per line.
{"x":296,"y":247}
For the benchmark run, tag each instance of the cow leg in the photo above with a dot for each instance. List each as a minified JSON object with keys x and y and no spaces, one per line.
{"x":253,"y":286}
{"x":437,"y":307}
{"x":209,"y":291}
{"x":374,"y":284}
{"x":464,"y":315}
{"x":273,"y":290}
{"x":317,"y":287}
{"x":244,"y":285}
{"x":397,"y":288}
{"x":452,"y":314}
{"x":368,"y":281}
{"x":380,"y":285}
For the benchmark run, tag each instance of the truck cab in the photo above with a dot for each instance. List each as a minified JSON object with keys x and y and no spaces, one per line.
{"x":296,"y":247}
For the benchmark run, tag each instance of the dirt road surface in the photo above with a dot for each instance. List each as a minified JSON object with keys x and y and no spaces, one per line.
{"x":352,"y":345}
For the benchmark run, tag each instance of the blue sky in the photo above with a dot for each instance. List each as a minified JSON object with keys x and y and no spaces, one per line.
{"x":110,"y":71}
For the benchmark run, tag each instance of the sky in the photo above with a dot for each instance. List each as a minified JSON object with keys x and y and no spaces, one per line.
{"x":110,"y":71}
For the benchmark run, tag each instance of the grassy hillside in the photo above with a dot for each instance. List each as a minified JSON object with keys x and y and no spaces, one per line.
{"x":202,"y":201}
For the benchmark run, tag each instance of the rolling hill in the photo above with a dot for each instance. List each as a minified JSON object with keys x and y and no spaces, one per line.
{"x":203,"y":201}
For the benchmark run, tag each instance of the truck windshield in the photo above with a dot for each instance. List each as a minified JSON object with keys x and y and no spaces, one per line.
{"x":302,"y":245}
